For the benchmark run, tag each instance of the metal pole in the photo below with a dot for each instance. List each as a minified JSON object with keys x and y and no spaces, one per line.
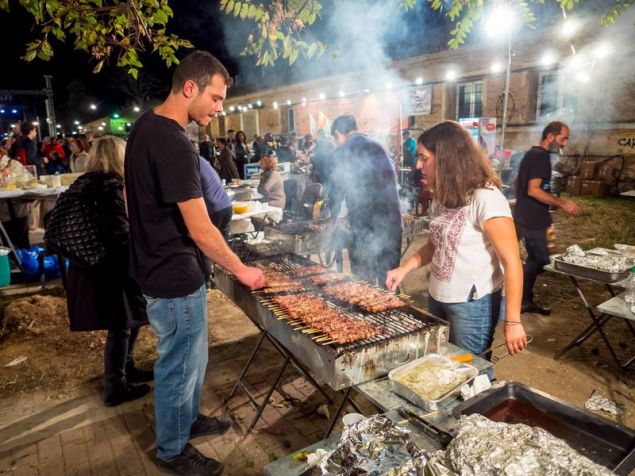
{"x":50,"y":106}
{"x":507,"y":76}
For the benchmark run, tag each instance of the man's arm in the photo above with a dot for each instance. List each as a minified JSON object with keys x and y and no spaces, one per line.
{"x":211,"y":242}
{"x":534,"y":190}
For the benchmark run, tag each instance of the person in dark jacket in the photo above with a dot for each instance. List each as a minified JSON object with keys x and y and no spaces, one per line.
{"x":228,"y":169}
{"x":105,"y":297}
{"x":241,"y":149}
{"x":364,"y":177}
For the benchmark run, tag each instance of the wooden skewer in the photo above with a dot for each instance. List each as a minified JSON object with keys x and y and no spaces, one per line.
{"x":310,"y":331}
{"x":328,"y":342}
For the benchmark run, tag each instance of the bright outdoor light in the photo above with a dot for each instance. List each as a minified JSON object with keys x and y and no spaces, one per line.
{"x":76,"y":123}
{"x":602,"y":50}
{"x":548,"y":59}
{"x":14,"y":111}
{"x":232,"y":108}
{"x":259,"y":103}
{"x":120,"y":128}
{"x":100,"y":128}
{"x":103,"y":124}
{"x":569,"y":27}
{"x":322,"y":96}
{"x":136,"y":109}
{"x":419,"y":80}
{"x":1,"y":111}
{"x":341,"y":94}
{"x":367,"y":91}
{"x":128,"y":124}
{"x":496,"y":67}
{"x":303,"y":99}
{"x":450,"y":75}
{"x":275,"y":105}
{"x":58,"y":126}
{"x":576,"y":61}
{"x":501,"y":19}
{"x":250,"y":106}
{"x":93,"y":106}
{"x":12,"y":126}
{"x":388,"y":85}
{"x":35,"y":124}
{"x":288,"y":102}
{"x":116,"y":115}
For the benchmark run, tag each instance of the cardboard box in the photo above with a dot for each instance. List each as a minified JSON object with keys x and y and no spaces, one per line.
{"x":587,"y":169}
{"x":593,"y":188}
{"x":574,"y":185}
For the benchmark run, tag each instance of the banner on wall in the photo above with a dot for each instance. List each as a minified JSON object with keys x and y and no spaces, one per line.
{"x":418,"y":100}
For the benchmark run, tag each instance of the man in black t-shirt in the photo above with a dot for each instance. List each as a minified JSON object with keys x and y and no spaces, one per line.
{"x":531,"y":213}
{"x":169,"y":228}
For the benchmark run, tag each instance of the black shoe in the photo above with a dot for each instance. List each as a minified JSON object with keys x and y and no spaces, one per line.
{"x":135,"y":375}
{"x":191,"y":462}
{"x":210,"y":425}
{"x":535,"y":309}
{"x":127,"y":394}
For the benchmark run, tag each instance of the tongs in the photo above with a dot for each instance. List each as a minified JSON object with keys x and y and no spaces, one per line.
{"x":495,"y":358}
{"x":430,"y":430}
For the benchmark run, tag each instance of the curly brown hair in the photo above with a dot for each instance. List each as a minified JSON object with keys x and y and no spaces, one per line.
{"x":461,"y":167}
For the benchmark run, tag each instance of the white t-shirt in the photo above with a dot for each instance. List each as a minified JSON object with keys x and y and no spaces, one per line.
{"x":463,"y":256}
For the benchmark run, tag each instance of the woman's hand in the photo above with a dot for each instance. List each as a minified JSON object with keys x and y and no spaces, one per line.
{"x":515,"y":337}
{"x":394,"y":277}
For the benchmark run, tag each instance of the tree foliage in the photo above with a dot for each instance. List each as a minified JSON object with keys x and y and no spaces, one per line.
{"x":121,"y":29}
{"x":107,"y":30}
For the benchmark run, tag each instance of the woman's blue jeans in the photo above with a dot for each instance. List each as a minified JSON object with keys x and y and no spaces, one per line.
{"x":181,"y":326}
{"x":472,"y":323}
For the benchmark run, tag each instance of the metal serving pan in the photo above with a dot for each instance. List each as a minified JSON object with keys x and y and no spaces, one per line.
{"x":599,"y":439}
{"x":465,"y":374}
{"x":591,"y":273}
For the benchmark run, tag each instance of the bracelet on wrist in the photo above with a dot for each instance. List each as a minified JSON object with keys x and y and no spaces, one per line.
{"x":515,"y":323}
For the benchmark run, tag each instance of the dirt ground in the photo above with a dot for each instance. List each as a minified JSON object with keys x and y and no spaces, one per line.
{"x":55,"y":364}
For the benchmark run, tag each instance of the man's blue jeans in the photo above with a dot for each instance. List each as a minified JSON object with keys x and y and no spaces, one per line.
{"x":537,"y":258}
{"x":181,"y":326}
{"x":472,"y":323}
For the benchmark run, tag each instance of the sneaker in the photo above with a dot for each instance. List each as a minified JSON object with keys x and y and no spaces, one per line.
{"x":135,"y":375}
{"x":127,"y":394}
{"x":190,"y":462}
{"x":210,"y":425}
{"x":535,"y":309}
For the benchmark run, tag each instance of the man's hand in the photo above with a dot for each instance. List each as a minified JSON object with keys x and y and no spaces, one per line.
{"x":251,"y":277}
{"x":515,"y":338}
{"x":394,"y":277}
{"x":570,"y":208}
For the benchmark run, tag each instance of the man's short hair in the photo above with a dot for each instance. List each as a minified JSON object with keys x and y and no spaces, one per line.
{"x":221,"y":140}
{"x":554,"y":127}
{"x":230,"y":131}
{"x":26,"y":128}
{"x":344,"y":125}
{"x":200,"y":67}
{"x":405,"y":133}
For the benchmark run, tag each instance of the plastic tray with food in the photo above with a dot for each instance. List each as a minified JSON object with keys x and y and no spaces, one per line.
{"x":431,"y":381}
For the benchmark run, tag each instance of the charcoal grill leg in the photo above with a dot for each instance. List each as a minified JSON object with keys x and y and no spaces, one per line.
{"x":338,"y":410}
{"x":263,"y":334}
{"x":273,"y":386}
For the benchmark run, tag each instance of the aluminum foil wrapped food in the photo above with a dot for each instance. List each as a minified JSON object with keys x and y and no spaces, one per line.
{"x":598,"y":259}
{"x":483,"y":447}
{"x":375,"y":446}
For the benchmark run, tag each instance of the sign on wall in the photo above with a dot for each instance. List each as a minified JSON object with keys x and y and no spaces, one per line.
{"x":418,"y":100}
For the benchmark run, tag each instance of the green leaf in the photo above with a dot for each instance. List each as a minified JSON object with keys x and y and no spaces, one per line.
{"x":244,"y":10}
{"x":134,"y":72}
{"x":98,"y":67}
{"x":237,"y":7}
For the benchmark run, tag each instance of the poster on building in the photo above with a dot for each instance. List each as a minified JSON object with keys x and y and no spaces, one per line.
{"x":418,"y":100}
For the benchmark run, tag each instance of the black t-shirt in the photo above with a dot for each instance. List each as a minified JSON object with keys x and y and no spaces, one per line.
{"x":529,"y":213}
{"x":162,"y":169}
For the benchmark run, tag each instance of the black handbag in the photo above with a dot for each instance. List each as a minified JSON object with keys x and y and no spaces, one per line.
{"x":72,"y":228}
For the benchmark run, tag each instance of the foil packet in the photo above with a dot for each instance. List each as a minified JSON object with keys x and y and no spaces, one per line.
{"x":373,"y":447}
{"x":598,"y":402}
{"x":483,"y":447}
{"x":595,"y":259}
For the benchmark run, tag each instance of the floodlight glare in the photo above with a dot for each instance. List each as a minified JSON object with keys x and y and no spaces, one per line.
{"x":496,"y":67}
{"x":501,"y":19}
{"x":341,"y":94}
{"x":569,"y":27}
{"x":419,"y":80}
{"x":93,"y":106}
{"x":451,"y":75}
{"x":275,"y":105}
{"x":322,"y":96}
{"x":136,"y":109}
{"x":602,"y":50}
{"x":548,"y":59}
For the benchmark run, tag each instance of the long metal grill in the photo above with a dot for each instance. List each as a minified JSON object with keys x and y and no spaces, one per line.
{"x":393,"y":323}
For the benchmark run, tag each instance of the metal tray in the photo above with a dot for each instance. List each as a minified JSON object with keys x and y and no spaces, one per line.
{"x":599,"y":439}
{"x":422,"y":402}
{"x":590,"y":273}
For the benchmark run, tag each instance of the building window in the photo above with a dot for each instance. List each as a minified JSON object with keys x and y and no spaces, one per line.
{"x":469,"y":99}
{"x":553,"y":98}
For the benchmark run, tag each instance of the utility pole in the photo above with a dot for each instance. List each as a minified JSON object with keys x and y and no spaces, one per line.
{"x":50,"y":107}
